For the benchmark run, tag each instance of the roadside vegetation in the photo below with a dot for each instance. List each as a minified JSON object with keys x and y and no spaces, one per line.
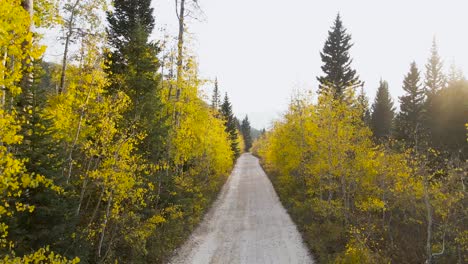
{"x":113,"y":154}
{"x":370,"y":184}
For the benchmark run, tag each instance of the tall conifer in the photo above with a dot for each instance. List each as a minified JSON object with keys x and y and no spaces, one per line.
{"x":363,"y":103}
{"x":338,"y":74}
{"x":455,"y":75}
{"x":434,"y":82}
{"x":133,"y":63}
{"x":231,"y":128}
{"x":435,"y":79}
{"x":216,"y":98}
{"x":133,"y":68}
{"x":246,"y":133}
{"x":409,"y":120}
{"x":383,"y":112}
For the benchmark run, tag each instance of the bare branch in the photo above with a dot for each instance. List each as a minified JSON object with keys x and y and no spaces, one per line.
{"x":177,"y":9}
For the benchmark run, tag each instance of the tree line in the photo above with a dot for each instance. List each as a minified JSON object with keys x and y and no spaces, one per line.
{"x":368,"y":184}
{"x":235,"y":128}
{"x":111,"y":155}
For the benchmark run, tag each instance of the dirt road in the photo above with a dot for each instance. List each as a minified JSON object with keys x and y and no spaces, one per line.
{"x":247,"y":224}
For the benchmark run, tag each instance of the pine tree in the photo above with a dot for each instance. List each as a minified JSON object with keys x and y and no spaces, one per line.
{"x":246,"y":130}
{"x":216,"y":98}
{"x":237,"y":123}
{"x":455,"y":75}
{"x":408,"y":123}
{"x":42,"y":156}
{"x":133,"y":66}
{"x":231,"y":128}
{"x":435,"y":79}
{"x":383,"y":112}
{"x":433,"y":84}
{"x":363,"y":103}
{"x":338,"y":74}
{"x":134,"y":63}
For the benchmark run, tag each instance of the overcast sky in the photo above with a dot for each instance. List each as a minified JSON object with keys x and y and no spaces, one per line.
{"x":261,"y":50}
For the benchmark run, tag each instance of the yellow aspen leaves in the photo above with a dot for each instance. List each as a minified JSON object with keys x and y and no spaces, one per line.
{"x":339,"y":185}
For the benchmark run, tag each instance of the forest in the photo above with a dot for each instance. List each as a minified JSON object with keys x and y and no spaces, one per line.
{"x":115,"y":153}
{"x":365,"y":183}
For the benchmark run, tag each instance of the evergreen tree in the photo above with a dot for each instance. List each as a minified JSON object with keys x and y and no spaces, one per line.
{"x":363,"y":103}
{"x":435,"y":79}
{"x":450,"y":113}
{"x":42,"y":156}
{"x":134,"y":66}
{"x":338,"y":74}
{"x":455,"y":75}
{"x":216,"y":98}
{"x":246,"y":130}
{"x":383,"y":112}
{"x":134,"y":63}
{"x":231,"y":128}
{"x":237,"y":123}
{"x":433,"y":84}
{"x":408,"y":123}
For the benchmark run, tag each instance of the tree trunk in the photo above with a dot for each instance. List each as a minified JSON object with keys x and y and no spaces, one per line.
{"x":106,"y":220}
{"x":27,"y":79}
{"x":83,"y":187}
{"x":70,"y":24}
{"x":64,"y":64}
{"x":2,"y":75}
{"x":180,"y":45}
{"x":75,"y":141}
{"x":180,"y":48}
{"x":96,"y":208}
{"x":429,"y":221}
{"x":345,"y":200}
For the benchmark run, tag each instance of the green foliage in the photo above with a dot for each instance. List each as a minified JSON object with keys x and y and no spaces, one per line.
{"x":383,"y":112}
{"x":117,"y":169}
{"x":435,"y":79}
{"x":448,"y":116}
{"x":133,"y":68}
{"x":231,"y":126}
{"x":216,"y":97}
{"x":98,"y":171}
{"x":363,"y":103}
{"x":199,"y":162}
{"x":19,"y":51}
{"x":434,"y":82}
{"x":409,"y":120}
{"x":354,"y":201}
{"x":338,"y":74}
{"x":246,"y":133}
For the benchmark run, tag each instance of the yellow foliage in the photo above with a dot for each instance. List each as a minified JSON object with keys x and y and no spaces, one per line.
{"x":358,"y":252}
{"x":325,"y":162}
{"x":240,"y":141}
{"x":17,"y":51}
{"x":15,"y":45}
{"x":43,"y":255}
{"x":199,"y":136}
{"x":87,"y":120}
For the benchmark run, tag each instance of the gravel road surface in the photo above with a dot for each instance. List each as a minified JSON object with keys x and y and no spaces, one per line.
{"x":247,"y":224}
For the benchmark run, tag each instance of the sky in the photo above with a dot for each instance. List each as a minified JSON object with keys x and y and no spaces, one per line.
{"x":262,"y":51}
